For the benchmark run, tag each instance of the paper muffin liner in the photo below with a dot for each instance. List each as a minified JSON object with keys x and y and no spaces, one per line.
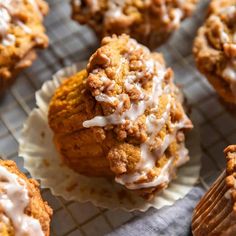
{"x":43,"y":162}
{"x":215,"y":213}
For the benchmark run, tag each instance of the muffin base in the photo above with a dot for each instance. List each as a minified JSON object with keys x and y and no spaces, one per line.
{"x":216,"y":213}
{"x":45,"y":163}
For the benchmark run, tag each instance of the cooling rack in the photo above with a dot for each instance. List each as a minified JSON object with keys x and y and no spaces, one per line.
{"x":70,"y":43}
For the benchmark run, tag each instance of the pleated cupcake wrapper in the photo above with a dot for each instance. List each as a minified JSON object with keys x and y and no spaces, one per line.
{"x":43,"y":162}
{"x":214,"y":214}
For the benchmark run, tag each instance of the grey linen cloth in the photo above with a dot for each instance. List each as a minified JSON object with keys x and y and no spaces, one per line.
{"x":169,"y":221}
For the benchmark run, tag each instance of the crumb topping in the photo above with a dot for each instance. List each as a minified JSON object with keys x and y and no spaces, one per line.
{"x":21,"y":32}
{"x":11,"y":15}
{"x":140,"y":103}
{"x":215,"y":47}
{"x":222,"y":36}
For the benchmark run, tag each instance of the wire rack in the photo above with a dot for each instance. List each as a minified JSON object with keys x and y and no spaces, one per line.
{"x":70,"y":43}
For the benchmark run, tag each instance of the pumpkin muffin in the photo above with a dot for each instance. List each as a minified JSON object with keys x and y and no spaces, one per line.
{"x":215,"y":48}
{"x":22,"y":210}
{"x":215,"y":214}
{"x":21,"y":33}
{"x":150,"y":22}
{"x":122,"y":118}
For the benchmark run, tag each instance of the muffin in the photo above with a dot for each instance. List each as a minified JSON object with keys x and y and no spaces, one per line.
{"x":215,"y":48}
{"x":149,"y":22}
{"x":215,"y":214}
{"x":122,"y":118}
{"x":22,"y":210}
{"x":21,"y":33}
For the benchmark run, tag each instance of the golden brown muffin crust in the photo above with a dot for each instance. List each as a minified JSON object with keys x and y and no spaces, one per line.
{"x":37,"y":208}
{"x":21,"y":32}
{"x":215,"y":48}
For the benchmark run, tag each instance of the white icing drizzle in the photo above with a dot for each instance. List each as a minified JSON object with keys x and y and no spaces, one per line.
{"x":163,"y":177}
{"x":178,"y":14}
{"x":148,"y":160}
{"x":154,"y":126}
{"x":36,"y":7}
{"x":13,"y":201}
{"x":115,"y":10}
{"x":224,"y":37}
{"x":4,"y":20}
{"x":165,"y":15}
{"x":230,"y":73}
{"x":7,"y":17}
{"x":105,"y":98}
{"x":9,"y":40}
{"x":136,"y":109}
{"x":230,"y":10}
{"x":116,"y":118}
{"x":147,"y":100}
{"x":24,"y":27}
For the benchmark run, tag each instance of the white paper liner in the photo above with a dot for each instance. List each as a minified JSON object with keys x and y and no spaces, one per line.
{"x":43,"y":162}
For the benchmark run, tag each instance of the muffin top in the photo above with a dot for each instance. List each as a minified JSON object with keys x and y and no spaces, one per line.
{"x":221,"y":35}
{"x":215,"y":46}
{"x":22,"y":211}
{"x":21,"y":30}
{"x":129,"y":83}
{"x":128,"y":101}
{"x":134,"y":17}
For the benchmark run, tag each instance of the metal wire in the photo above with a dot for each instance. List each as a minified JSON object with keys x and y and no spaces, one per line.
{"x":71,"y":43}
